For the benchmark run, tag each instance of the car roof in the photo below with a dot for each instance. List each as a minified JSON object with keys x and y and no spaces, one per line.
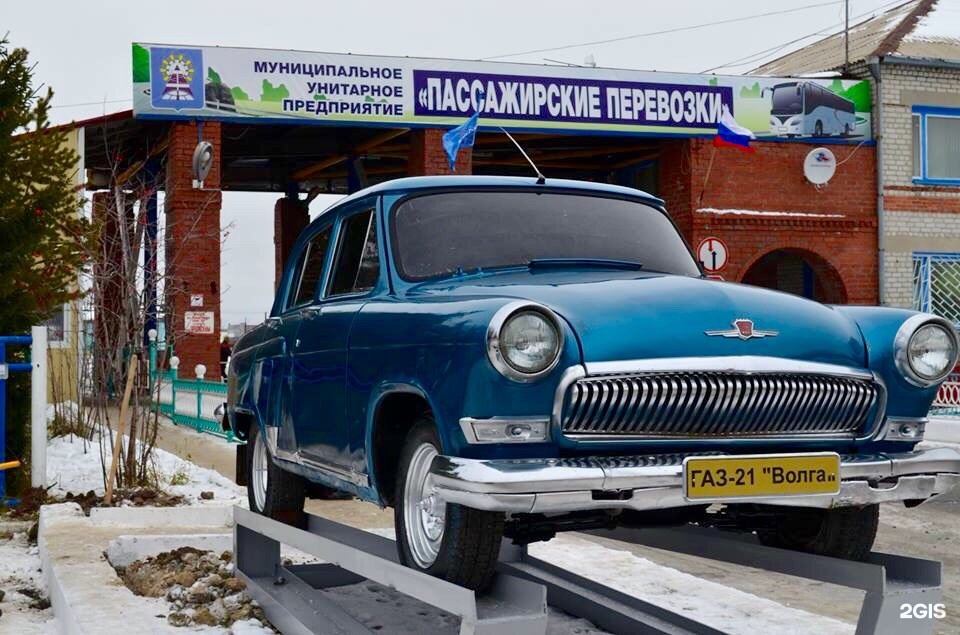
{"x":414,"y":183}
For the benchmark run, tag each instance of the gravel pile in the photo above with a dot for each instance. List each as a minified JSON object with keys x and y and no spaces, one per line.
{"x":199,"y":585}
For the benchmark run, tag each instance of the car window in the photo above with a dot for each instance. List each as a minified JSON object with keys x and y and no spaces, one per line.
{"x":310,"y":269}
{"x":440,"y":234}
{"x":358,"y":261}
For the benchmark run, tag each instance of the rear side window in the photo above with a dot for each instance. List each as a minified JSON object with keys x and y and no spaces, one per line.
{"x":310,"y":269}
{"x":358,"y":261}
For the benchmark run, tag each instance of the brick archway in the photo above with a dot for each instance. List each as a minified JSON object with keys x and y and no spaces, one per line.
{"x":799,"y":271}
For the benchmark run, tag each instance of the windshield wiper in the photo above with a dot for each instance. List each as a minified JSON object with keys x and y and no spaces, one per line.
{"x":608,"y":263}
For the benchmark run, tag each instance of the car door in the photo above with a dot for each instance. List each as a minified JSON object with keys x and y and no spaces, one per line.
{"x":299,"y":304}
{"x":320,"y":351}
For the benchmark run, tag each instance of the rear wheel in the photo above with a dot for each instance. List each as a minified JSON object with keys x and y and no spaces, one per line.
{"x":449,"y":541}
{"x":272,"y":491}
{"x":845,"y":532}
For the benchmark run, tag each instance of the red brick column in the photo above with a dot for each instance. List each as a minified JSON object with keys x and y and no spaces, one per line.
{"x":290,"y":217}
{"x":193,"y":246}
{"x":428,"y":158}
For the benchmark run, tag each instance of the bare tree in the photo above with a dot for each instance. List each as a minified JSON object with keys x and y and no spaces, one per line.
{"x":125,"y":292}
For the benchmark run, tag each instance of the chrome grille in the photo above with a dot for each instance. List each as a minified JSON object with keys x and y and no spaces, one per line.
{"x":720,"y":404}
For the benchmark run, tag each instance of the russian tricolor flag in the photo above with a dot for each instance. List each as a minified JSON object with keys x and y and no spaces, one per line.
{"x":732,"y":134}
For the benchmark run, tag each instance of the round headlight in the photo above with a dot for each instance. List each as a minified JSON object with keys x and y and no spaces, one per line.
{"x":932,"y":351}
{"x":926,"y":349}
{"x":524,"y":341}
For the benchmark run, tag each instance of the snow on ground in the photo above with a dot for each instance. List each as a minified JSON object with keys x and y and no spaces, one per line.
{"x":716,"y":605}
{"x":74,"y":465}
{"x":20,"y":569}
{"x":719,"y":606}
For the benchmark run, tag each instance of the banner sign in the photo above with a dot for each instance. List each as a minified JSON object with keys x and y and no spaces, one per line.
{"x":176,"y":82}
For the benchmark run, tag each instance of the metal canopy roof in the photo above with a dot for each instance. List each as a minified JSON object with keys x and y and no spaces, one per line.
{"x":267,"y":157}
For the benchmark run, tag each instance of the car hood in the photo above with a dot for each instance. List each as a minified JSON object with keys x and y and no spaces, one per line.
{"x":619,"y":315}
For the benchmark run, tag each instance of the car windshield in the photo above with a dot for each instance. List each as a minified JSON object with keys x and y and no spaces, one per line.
{"x":787,"y":100}
{"x":441,"y":234}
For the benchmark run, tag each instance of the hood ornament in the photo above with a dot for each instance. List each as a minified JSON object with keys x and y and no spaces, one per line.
{"x":743,"y":329}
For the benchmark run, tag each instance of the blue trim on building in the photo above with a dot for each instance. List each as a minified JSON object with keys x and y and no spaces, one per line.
{"x":483,"y":128}
{"x":923,"y":112}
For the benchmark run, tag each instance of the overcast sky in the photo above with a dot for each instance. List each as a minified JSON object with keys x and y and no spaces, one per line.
{"x":82,"y":50}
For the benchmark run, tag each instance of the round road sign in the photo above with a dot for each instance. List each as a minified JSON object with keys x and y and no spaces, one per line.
{"x":712,"y":252}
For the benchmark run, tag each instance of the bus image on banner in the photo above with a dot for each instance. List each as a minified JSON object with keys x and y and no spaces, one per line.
{"x":807,"y":109}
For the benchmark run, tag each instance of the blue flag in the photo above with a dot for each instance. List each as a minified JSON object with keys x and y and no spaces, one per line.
{"x":462,"y":136}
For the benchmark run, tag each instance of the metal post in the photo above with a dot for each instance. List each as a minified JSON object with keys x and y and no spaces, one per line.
{"x":150,"y":250}
{"x":3,"y":420}
{"x":200,"y":371}
{"x":846,"y":34}
{"x":152,"y":337}
{"x":38,"y":407}
{"x":174,"y":365}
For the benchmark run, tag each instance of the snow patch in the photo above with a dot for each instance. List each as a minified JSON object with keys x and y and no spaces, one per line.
{"x":719,"y":606}
{"x":20,"y":569}
{"x":751,"y":212}
{"x":74,"y":465}
{"x":942,"y":23}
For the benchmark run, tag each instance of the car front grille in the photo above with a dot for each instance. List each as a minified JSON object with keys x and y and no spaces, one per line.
{"x":720,"y":404}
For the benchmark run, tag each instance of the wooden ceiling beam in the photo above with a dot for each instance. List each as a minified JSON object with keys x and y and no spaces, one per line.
{"x":310,"y":171}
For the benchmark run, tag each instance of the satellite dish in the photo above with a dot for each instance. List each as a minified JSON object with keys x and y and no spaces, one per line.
{"x":819,"y":166}
{"x":202,"y":162}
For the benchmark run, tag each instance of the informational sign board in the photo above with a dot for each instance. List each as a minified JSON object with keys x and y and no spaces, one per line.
{"x":196,"y":299}
{"x":712,"y":252}
{"x":198,"y":322}
{"x":189,"y":82}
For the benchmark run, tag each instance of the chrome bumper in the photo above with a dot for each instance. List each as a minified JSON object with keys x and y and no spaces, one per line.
{"x":656,"y":482}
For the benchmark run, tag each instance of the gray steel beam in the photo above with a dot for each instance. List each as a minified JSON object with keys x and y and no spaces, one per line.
{"x":513,"y":605}
{"x":517,"y":603}
{"x":889,"y":580}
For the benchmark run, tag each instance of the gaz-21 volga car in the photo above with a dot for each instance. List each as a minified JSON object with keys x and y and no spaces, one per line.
{"x":500,"y":357}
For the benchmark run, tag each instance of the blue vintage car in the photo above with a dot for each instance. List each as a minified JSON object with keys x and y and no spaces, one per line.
{"x":496,"y":357}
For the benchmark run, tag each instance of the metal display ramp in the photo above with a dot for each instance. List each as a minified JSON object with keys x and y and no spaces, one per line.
{"x":293,"y":597}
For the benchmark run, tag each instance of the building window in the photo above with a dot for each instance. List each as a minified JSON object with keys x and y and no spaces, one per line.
{"x":936,"y":284}
{"x":57,"y":325}
{"x":936,"y":145}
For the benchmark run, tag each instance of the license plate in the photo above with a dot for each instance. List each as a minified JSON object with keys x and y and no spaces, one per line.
{"x":725,"y":477}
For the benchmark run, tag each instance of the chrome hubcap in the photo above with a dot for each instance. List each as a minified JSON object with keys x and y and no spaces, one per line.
{"x":260,"y":467}
{"x":424,"y":513}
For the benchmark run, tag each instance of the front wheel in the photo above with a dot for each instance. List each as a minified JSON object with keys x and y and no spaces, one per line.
{"x":448,"y":541}
{"x":845,"y":532}
{"x":272,"y":491}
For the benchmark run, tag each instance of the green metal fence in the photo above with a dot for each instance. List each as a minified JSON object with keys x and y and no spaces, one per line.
{"x":189,"y":402}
